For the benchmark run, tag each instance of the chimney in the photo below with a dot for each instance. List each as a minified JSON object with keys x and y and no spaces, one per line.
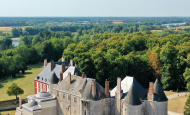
{"x":63,"y":59}
{"x":71,"y":62}
{"x":75,"y":65}
{"x":94,"y":88}
{"x":118,"y":84}
{"x":83,"y":75}
{"x":107,"y":88}
{"x":99,"y":95}
{"x":118,"y":96}
{"x":150,"y":91}
{"x":61,"y":76}
{"x":69,"y":78}
{"x":51,"y":65}
{"x":45,"y":63}
{"x":63,"y":67}
{"x":20,"y":101}
{"x":76,"y":73}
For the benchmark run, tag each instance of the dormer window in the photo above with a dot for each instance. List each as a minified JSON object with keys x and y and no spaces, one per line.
{"x":63,"y":96}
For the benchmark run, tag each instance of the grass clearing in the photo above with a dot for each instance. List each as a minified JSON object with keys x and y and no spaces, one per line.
{"x":10,"y":112}
{"x":25,"y":81}
{"x":169,"y":93}
{"x":177,"y":104}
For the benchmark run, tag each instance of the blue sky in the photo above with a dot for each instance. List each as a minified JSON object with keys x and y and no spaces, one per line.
{"x":103,"y":8}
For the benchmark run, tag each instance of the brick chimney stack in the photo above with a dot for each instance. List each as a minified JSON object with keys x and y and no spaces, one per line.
{"x":20,"y":101}
{"x":94,"y":88}
{"x":63,"y":59}
{"x":71,"y":62}
{"x":107,"y":88}
{"x":69,"y":78}
{"x":51,"y":65}
{"x":63,"y":67}
{"x":83,"y":75}
{"x":61,"y":76}
{"x":151,"y":91}
{"x":45,"y":63}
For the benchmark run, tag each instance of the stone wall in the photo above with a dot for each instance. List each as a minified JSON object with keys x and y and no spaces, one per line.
{"x":156,"y":108}
{"x":100,"y":107}
{"x":10,"y":104}
{"x":68,"y":104}
{"x":133,"y":110}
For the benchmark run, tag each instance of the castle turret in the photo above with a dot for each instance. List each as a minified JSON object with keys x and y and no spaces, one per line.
{"x":159,"y":101}
{"x":53,"y":81}
{"x":132,"y":104}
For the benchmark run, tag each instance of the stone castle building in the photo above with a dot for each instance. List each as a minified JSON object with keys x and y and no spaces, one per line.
{"x":79,"y":95}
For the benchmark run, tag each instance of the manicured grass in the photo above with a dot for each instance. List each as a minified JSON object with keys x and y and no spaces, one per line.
{"x":169,"y":93}
{"x":177,"y":104}
{"x":10,"y":112}
{"x":25,"y":81}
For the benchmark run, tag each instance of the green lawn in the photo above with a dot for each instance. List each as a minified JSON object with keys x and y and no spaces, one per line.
{"x":10,"y":112}
{"x":25,"y":81}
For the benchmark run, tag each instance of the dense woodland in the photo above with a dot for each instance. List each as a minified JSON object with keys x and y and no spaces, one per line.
{"x":105,"y":51}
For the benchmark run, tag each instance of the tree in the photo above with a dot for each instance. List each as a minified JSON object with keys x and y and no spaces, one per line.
{"x":187,"y":107}
{"x":16,"y":32}
{"x":14,"y":89}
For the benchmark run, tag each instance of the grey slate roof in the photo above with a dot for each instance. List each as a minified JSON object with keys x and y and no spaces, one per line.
{"x":80,"y":87}
{"x":159,"y":94}
{"x":54,"y":79}
{"x":43,"y":94}
{"x":32,"y":103}
{"x":132,"y":97}
{"x":46,"y":74}
{"x":125,"y":86}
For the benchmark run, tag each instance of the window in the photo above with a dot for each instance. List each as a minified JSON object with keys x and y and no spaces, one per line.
{"x":85,"y":103}
{"x":75,"y":99}
{"x":84,"y":112}
{"x":69,"y":97}
{"x":63,"y":96}
{"x":44,"y":88}
{"x":57,"y":94}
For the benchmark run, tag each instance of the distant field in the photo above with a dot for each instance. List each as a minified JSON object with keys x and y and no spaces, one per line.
{"x":117,"y":22}
{"x":156,"y":30}
{"x":8,"y":29}
{"x":25,"y":81}
{"x":180,"y":27}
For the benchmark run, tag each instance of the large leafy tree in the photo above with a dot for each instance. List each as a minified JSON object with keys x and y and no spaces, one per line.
{"x":168,"y":57}
{"x":14,"y":89}
{"x":187,"y":107}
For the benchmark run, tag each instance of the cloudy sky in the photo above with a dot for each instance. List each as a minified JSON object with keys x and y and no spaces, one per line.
{"x":103,"y":8}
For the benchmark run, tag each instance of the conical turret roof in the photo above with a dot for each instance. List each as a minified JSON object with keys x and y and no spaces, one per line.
{"x":132,"y":97}
{"x":159,"y":94}
{"x":54,"y":79}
